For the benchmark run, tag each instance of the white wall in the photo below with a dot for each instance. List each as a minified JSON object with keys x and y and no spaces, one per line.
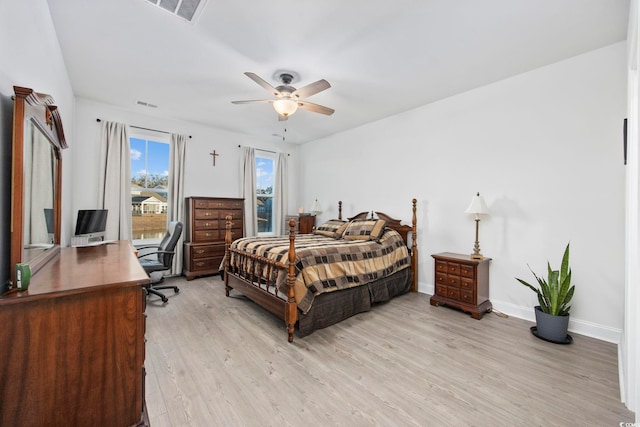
{"x":545,"y":150}
{"x":201,"y":177}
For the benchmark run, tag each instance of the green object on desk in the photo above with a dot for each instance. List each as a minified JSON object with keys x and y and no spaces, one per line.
{"x":23,"y":276}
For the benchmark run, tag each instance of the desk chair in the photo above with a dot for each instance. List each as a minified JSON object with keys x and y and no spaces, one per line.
{"x":162,"y":259}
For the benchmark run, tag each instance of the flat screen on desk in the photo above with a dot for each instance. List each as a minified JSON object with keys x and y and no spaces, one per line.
{"x":91,"y":221}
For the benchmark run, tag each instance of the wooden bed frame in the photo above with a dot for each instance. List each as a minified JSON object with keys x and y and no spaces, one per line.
{"x":264,"y":292}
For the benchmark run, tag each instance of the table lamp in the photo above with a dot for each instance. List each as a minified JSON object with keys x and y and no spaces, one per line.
{"x":316,"y":209}
{"x":477,"y":207}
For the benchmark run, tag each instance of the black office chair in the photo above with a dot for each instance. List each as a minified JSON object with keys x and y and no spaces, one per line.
{"x":163,"y":259}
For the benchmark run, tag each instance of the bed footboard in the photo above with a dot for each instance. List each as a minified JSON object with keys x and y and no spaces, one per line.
{"x":256,"y":277}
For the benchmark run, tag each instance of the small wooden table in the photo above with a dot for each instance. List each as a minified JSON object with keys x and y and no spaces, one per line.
{"x":462,"y":282}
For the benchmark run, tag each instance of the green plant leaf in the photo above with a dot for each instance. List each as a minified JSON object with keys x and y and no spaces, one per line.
{"x":555,"y":293}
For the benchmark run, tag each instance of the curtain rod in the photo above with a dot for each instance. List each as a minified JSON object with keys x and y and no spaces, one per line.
{"x":140,"y":127}
{"x":268,"y":151}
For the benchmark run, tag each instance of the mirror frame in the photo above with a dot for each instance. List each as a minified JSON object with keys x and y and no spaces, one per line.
{"x":39,"y":109}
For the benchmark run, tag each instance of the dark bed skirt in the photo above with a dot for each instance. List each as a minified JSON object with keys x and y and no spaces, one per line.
{"x":333,"y":307}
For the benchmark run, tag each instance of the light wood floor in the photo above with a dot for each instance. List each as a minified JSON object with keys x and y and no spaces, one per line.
{"x":217,"y":361}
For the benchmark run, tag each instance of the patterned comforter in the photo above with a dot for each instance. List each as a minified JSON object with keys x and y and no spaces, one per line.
{"x":325,"y":264}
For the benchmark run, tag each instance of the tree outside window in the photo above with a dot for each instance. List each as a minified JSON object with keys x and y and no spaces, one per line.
{"x":149,"y":187}
{"x":264,"y":189}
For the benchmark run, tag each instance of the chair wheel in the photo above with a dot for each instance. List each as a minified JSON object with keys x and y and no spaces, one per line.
{"x":176,"y":290}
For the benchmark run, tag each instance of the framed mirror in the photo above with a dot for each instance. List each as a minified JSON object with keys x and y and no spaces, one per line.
{"x":38,"y":141}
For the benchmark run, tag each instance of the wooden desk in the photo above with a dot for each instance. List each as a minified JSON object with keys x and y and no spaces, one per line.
{"x":72,"y":346}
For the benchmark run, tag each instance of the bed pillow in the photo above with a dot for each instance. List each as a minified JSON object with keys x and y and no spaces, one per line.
{"x":332,"y":228}
{"x":364,"y":229}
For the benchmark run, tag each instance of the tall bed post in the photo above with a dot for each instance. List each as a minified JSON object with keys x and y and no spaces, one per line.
{"x":227,"y":262}
{"x":291,"y":309}
{"x":414,"y":248}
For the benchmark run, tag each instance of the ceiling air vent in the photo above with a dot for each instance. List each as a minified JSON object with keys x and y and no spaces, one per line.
{"x":146,"y":104}
{"x":183,"y":8}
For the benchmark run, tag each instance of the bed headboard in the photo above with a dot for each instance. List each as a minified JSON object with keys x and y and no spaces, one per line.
{"x":392,"y":223}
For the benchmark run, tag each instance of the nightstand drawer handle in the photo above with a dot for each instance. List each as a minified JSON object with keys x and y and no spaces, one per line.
{"x":200,"y":264}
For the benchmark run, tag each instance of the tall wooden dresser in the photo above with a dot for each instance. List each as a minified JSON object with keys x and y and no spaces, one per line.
{"x":72,"y":346}
{"x":205,"y":232}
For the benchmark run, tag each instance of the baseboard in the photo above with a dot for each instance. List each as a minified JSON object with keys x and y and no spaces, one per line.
{"x":582,"y":327}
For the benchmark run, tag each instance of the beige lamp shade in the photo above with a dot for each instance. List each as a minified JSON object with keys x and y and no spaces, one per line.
{"x":478,"y":206}
{"x":316,"y":209}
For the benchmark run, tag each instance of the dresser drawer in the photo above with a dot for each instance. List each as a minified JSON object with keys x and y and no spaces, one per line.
{"x":453,"y":281}
{"x":205,"y":263}
{"x":208,"y":235}
{"x":453,"y":293}
{"x":209,"y":214}
{"x":235,"y":215}
{"x":206,"y":251}
{"x":441,"y":290}
{"x":467,"y":284}
{"x":206,"y":224}
{"x":441,"y":279}
{"x":467,"y":297}
{"x":218,"y":204}
{"x":453,"y":268}
{"x":441,"y":267}
{"x":466,"y":271}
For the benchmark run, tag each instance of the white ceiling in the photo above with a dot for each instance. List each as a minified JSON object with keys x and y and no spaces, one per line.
{"x":381,"y":57}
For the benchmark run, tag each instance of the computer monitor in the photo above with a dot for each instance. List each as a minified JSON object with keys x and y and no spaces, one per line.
{"x":48,"y":218}
{"x":91,"y":224}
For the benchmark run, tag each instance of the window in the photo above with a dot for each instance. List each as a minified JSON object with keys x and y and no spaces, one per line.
{"x":265,"y":163}
{"x":149,"y":187}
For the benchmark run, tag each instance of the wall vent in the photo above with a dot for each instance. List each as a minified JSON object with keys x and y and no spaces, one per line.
{"x":186,"y":9}
{"x":146,"y":104}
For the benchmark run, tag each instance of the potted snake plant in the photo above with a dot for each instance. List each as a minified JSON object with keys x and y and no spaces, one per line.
{"x":554,"y":296}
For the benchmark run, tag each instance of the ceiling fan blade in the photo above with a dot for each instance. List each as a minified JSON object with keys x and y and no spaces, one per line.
{"x":311,"y":89}
{"x":262,"y":83}
{"x":310,"y":106}
{"x":252,"y":101}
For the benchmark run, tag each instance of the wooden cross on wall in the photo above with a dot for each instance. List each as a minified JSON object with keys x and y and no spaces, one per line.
{"x":214,"y":155}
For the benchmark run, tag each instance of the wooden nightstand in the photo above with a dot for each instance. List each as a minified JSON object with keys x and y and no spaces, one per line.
{"x":304,"y":223}
{"x":462,"y":283}
{"x":307,"y":223}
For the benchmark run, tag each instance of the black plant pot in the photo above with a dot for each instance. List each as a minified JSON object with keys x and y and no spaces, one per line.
{"x":551,"y":328}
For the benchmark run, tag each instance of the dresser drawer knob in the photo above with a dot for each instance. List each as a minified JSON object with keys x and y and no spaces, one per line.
{"x":200,"y":264}
{"x":208,"y":234}
{"x":200,"y":251}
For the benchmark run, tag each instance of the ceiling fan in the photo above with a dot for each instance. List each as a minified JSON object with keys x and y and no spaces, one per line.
{"x":288,"y":98}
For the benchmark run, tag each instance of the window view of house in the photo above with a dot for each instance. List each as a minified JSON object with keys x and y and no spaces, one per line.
{"x":264,"y":189}
{"x":149,"y":188}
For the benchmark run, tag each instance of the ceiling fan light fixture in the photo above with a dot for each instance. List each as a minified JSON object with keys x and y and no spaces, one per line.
{"x":285,"y":107}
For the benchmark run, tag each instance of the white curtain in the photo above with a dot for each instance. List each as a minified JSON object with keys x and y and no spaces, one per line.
{"x":175,"y":202}
{"x":280,"y":205}
{"x":114,"y":191}
{"x":248,"y":180}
